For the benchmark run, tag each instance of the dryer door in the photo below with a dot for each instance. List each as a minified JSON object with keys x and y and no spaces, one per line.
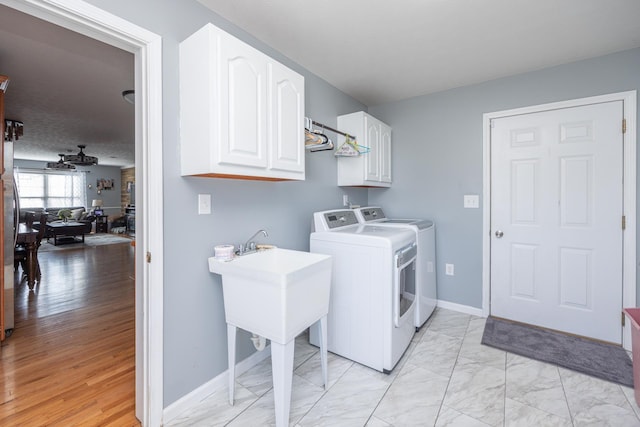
{"x":404,"y":282}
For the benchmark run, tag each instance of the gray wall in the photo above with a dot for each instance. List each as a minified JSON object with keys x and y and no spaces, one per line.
{"x":110,"y":198}
{"x":195,"y":349}
{"x":437,"y":154}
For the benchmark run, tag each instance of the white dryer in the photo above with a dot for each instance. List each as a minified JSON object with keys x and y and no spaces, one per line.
{"x":372,"y":302}
{"x":426,"y":282}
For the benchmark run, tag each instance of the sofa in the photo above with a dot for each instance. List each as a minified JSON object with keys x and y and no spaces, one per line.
{"x":52,"y":213}
{"x":78,"y":214}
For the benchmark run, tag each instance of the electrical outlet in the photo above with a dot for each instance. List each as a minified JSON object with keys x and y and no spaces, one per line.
{"x":448,"y":269}
{"x":471,"y":201}
{"x":204,"y":204}
{"x":345,"y":200}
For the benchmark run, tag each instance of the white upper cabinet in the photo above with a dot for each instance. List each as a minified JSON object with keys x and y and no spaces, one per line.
{"x":241,"y":112}
{"x":372,"y":169}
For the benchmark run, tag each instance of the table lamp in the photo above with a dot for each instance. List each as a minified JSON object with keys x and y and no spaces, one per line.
{"x":96,"y":204}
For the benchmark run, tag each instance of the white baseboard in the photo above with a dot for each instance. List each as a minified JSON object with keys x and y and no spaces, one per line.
{"x":461,"y":308}
{"x":218,"y":383}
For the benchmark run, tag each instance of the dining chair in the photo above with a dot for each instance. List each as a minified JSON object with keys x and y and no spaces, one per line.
{"x":20,"y":251}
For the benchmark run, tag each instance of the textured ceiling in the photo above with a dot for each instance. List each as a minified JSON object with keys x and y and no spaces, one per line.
{"x":66,"y":88}
{"x":380,"y":50}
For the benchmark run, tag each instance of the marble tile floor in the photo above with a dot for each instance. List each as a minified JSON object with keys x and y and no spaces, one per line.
{"x":445,"y":378}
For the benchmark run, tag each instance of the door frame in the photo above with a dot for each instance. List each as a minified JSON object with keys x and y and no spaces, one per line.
{"x":629,"y":194}
{"x":86,"y":19}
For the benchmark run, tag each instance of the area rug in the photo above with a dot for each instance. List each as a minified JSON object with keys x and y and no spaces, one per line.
{"x":606,"y":361}
{"x":90,"y":240}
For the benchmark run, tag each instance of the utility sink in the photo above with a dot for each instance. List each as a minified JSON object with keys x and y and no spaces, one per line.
{"x":276,"y":293}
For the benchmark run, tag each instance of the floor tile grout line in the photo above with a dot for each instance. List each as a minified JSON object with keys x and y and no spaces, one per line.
{"x":408,"y":356}
{"x":631,"y":403}
{"x":455,"y":363}
{"x":326,"y":390}
{"x":504,"y":394}
{"x":566,"y":398}
{"x":258,"y":397}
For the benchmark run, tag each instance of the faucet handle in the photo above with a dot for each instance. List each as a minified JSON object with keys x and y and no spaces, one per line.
{"x":252,"y":246}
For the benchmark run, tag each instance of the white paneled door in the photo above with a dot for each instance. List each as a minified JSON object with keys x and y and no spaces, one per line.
{"x":556,"y":219}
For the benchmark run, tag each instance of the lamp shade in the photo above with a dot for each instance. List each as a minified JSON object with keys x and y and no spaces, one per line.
{"x":96,"y":203}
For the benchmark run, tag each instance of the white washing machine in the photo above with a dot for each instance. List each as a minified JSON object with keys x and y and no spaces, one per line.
{"x":372,"y":302}
{"x":426,"y":282}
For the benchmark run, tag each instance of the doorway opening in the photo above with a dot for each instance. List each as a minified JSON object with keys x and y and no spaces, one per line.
{"x":93,"y":22}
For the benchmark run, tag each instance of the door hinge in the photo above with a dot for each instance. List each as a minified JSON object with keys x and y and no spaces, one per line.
{"x":622,"y":318}
{"x":148,"y":257}
{"x":624,"y":125}
{"x":624,"y":222}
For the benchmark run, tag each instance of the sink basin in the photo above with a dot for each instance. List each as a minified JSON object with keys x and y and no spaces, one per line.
{"x":275,"y":293}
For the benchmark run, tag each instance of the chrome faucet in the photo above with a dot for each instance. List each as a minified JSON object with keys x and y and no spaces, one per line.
{"x":250,"y":245}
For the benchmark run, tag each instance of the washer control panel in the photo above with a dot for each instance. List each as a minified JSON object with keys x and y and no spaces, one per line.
{"x":337,"y":219}
{"x":372,"y":214}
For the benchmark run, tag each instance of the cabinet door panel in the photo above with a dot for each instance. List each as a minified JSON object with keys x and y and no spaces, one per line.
{"x":242,"y":106}
{"x":286,"y":97}
{"x":372,"y":163}
{"x":385,"y":153}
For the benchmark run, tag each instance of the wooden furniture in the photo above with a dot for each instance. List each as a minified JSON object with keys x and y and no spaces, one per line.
{"x":241,"y":112}
{"x":372,"y":169}
{"x":102,"y":224}
{"x":28,"y":237}
{"x":70,"y":230}
{"x":25,"y":255}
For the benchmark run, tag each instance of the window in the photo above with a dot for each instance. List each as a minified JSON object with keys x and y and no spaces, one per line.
{"x":41,"y":189}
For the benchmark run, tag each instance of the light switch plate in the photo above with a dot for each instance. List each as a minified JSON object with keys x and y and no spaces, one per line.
{"x":204,"y":204}
{"x":471,"y":201}
{"x":449,"y":269}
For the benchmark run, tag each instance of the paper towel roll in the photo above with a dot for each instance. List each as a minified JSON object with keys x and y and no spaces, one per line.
{"x":223,"y":252}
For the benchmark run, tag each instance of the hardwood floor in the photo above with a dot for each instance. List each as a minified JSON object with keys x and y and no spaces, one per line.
{"x":70,"y":360}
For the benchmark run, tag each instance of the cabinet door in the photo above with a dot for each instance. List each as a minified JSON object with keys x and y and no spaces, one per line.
{"x":286,"y":119}
{"x":385,"y":153}
{"x":242,"y":104}
{"x":372,"y":162}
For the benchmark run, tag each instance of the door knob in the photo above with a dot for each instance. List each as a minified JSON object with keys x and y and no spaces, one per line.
{"x":499,"y":234}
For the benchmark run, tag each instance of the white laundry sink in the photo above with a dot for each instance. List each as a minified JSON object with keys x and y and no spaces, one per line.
{"x":275,"y":293}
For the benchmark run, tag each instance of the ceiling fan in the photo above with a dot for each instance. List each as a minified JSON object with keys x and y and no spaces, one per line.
{"x":80,"y":159}
{"x":60,"y":164}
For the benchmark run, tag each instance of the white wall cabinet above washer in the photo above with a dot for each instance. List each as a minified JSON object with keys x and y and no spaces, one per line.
{"x":241,"y":112}
{"x":372,"y":169}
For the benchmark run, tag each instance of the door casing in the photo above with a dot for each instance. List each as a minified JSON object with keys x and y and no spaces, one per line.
{"x":91,"y":21}
{"x":629,"y":194}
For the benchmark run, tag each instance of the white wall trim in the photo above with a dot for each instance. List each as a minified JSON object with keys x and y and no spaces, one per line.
{"x":629,"y":238}
{"x":466,"y":309}
{"x":93,"y":22}
{"x":217,"y":384}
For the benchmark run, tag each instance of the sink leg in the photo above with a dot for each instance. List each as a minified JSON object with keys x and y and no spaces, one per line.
{"x":323,"y":350}
{"x":282,"y":368}
{"x":231,"y":348}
